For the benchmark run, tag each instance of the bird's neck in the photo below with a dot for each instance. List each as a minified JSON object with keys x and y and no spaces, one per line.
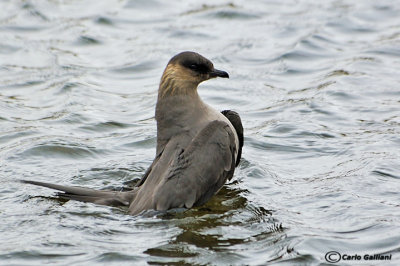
{"x":177,"y":109}
{"x":176,"y":115}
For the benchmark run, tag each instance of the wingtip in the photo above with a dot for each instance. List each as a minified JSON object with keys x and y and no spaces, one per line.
{"x":31,"y":182}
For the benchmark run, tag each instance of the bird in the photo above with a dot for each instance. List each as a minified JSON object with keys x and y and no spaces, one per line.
{"x":198,"y":147}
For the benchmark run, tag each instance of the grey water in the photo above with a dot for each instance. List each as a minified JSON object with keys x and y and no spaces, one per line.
{"x":317,"y":84}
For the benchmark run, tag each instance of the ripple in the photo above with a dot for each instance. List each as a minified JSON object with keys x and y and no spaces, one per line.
{"x":25,"y":28}
{"x":387,"y":51}
{"x":129,"y":69}
{"x":231,"y":15}
{"x":274,"y":147}
{"x":116,"y":257}
{"x":105,"y":126}
{"x":173,"y":251}
{"x":351,"y":26}
{"x":86,"y":40}
{"x":389,"y":170}
{"x":58,"y":150}
{"x":8,"y":49}
{"x":299,"y":56}
{"x":104,"y":21}
{"x":190,"y":34}
{"x":37,"y":255}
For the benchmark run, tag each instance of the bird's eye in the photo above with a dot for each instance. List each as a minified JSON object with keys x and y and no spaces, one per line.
{"x":197,"y":67}
{"x":194,"y":66}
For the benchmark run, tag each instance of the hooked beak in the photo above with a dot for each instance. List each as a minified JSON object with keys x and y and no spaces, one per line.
{"x":218,"y":73}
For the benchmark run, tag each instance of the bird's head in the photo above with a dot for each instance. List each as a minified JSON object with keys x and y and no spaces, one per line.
{"x":185,"y":71}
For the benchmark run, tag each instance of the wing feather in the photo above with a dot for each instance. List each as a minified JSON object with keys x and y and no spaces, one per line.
{"x":199,"y":171}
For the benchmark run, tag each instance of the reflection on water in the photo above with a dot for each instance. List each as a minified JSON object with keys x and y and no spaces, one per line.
{"x":317,"y":87}
{"x":218,"y":226}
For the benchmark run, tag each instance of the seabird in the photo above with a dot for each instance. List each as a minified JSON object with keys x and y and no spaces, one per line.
{"x":197,"y":149}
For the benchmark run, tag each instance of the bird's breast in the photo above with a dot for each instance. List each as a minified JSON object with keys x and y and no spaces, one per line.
{"x":185,"y":116}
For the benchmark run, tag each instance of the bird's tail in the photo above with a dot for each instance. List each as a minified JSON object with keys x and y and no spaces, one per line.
{"x":110,"y":198}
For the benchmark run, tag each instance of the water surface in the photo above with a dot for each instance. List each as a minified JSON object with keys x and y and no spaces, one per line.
{"x":317,"y":85}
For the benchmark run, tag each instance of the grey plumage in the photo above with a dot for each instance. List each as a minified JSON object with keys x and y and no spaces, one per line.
{"x":197,"y":149}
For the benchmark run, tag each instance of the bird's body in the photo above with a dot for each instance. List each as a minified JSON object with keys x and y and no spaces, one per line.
{"x":197,"y":149}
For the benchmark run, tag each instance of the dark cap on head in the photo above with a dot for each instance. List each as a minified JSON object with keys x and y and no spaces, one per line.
{"x":198,"y":64}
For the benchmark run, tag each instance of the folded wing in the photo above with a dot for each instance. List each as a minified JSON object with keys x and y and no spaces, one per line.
{"x":199,"y":171}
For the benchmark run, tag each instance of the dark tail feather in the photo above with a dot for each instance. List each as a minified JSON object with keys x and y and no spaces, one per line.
{"x":110,"y":198}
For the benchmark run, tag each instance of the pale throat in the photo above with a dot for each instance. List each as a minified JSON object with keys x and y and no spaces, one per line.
{"x":177,"y":81}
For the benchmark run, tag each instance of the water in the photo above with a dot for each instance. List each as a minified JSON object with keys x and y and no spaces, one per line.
{"x":317,"y":85}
